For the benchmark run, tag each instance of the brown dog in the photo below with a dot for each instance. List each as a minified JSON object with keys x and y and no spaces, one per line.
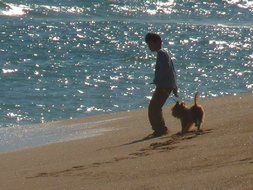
{"x":188,"y":116}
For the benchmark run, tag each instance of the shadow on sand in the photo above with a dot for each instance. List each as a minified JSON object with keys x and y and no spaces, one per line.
{"x":188,"y":135}
{"x":149,"y":137}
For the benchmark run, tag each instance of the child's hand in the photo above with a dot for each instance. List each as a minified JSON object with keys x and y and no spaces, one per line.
{"x":175,"y":92}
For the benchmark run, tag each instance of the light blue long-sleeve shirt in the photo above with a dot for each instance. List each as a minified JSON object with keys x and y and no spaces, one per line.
{"x":165,"y":75}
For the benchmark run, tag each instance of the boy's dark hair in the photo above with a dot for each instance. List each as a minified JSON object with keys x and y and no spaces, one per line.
{"x":152,"y":37}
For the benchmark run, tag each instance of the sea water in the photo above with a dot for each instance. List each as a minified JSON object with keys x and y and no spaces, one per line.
{"x":63,"y":59}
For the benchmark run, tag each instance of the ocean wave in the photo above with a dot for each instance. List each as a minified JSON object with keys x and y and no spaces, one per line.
{"x":17,"y":10}
{"x":150,"y":8}
{"x":245,"y":4}
{"x":225,"y":9}
{"x":9,"y":9}
{"x":47,"y":10}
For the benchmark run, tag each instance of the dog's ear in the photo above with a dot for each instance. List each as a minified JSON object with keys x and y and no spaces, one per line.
{"x":177,"y":104}
{"x":182,"y":104}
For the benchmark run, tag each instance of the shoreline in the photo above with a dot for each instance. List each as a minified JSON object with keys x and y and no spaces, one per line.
{"x":70,"y":129}
{"x":20,"y":138}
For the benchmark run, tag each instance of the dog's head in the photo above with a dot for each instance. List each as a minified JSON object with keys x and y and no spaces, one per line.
{"x":178,"y":109}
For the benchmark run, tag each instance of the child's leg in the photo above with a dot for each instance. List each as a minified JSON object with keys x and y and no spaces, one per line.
{"x":155,"y":109}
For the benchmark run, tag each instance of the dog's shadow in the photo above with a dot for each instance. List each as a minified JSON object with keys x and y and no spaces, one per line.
{"x":184,"y":136}
{"x":149,"y":137}
{"x":191,"y":134}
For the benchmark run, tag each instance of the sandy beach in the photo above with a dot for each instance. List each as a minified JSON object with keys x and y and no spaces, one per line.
{"x":220,"y":157}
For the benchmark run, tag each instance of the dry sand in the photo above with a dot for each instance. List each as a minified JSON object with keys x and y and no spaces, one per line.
{"x":221,"y":157}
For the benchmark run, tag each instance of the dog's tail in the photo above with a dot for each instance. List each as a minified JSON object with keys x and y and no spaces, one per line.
{"x":195,"y":98}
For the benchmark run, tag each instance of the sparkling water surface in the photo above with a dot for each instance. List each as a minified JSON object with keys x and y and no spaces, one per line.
{"x":68,"y":59}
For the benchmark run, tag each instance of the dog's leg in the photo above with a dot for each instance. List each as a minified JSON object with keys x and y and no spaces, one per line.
{"x":186,"y":125}
{"x":183,"y":125}
{"x":197,"y":124}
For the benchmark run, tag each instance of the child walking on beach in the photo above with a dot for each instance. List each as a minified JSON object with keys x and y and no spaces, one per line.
{"x":165,"y":81}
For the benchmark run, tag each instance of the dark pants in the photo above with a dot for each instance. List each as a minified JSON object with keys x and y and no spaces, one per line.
{"x":155,"y":114}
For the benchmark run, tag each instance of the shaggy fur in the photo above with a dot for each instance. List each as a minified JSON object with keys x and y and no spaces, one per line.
{"x":188,"y":116}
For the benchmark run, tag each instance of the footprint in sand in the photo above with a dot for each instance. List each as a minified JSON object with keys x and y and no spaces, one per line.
{"x":78,"y":167}
{"x":139,"y":154}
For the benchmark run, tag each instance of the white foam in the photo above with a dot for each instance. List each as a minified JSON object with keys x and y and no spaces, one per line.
{"x":15,"y":10}
{"x":6,"y":71}
{"x":18,"y":137}
{"x":245,"y":4}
